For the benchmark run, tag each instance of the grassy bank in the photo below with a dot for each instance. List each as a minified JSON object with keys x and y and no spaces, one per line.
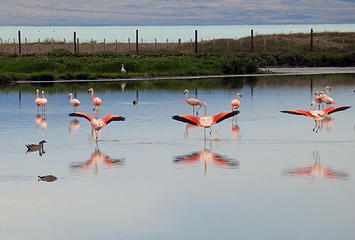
{"x":65,"y":66}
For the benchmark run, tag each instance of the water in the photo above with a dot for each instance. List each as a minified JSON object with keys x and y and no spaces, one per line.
{"x":266,"y":176}
{"x":161,"y":33}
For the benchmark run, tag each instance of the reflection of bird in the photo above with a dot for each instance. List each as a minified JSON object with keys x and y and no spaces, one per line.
{"x":95,"y":158}
{"x":135,"y":102}
{"x":43,"y":101}
{"x":207,"y":156}
{"x":317,"y":115}
{"x":236,"y":102}
{"x":38,"y":100}
{"x":188,"y":128}
{"x":123,"y":70}
{"x":317,"y":169}
{"x":43,"y":123}
{"x":236,"y":131}
{"x":193,"y":102}
{"x":97,"y":124}
{"x":206,"y":121}
{"x":95,"y":100}
{"x":38,"y":120}
{"x":73,"y":101}
{"x":47,"y":178}
{"x":327,"y":122}
{"x":327,"y":98}
{"x":73,"y":125}
{"x":36,"y":147}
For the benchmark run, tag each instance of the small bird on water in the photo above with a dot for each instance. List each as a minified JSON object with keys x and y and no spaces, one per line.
{"x":47,"y":178}
{"x":36,"y":147}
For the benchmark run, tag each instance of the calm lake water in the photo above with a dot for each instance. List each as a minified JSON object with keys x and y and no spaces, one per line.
{"x":161,"y":33}
{"x":268,"y":176}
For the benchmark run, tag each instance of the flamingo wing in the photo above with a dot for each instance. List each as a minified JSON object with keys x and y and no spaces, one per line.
{"x":81,"y":114}
{"x":111,"y":117}
{"x":223,"y":115}
{"x":298,"y":112}
{"x":334,"y":109}
{"x":187,"y":118}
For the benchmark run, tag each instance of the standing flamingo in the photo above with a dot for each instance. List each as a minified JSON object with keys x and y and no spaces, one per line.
{"x":236,"y":102}
{"x":318,"y":98}
{"x":206,"y":121}
{"x":327,"y":98}
{"x":73,"y":101}
{"x":95,"y":100}
{"x":317,"y":115}
{"x":43,"y":101}
{"x":37,"y":100}
{"x":97,"y":124}
{"x":193,"y":102}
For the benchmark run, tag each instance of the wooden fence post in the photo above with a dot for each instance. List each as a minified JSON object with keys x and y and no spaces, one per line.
{"x":75,"y":43}
{"x":195,"y":41}
{"x":19,"y":42}
{"x":104,"y":44}
{"x":167,"y":44}
{"x":129,"y":44}
{"x":26,"y":47}
{"x":252,"y":40}
{"x":155,"y":44}
{"x":137,"y":42}
{"x":92,"y":47}
{"x":311,"y":39}
{"x":116,"y":46}
{"x":179,"y":44}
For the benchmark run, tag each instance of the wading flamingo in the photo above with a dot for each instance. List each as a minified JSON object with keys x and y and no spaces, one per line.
{"x":318,"y":98}
{"x":37,"y":100}
{"x":43,"y":101}
{"x":236,"y":102}
{"x":317,"y":115}
{"x":327,"y":99}
{"x":193,"y":102}
{"x":206,"y":121}
{"x":73,"y":101}
{"x":95,"y":100}
{"x":97,"y":124}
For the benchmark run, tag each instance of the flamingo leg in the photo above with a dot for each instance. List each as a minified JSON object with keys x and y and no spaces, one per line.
{"x":198,"y":110}
{"x":193,"y":110}
{"x":204,"y":132}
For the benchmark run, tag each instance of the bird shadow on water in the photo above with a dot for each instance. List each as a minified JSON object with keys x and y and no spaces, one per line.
{"x":97,"y":158}
{"x":205,"y":156}
{"x":316,"y":170}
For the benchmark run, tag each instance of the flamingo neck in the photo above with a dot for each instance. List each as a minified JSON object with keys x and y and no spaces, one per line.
{"x":92,"y":94}
{"x":186,"y":95}
{"x":71,"y":98}
{"x":205,"y":111}
{"x":96,"y":113}
{"x":313,"y":107}
{"x":328,"y":92}
{"x":36,"y":94}
{"x":42,"y":94}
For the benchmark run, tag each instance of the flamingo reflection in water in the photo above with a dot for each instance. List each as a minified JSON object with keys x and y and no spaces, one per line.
{"x":96,"y":158}
{"x":315,"y":170}
{"x":207,"y":156}
{"x":73,"y":125}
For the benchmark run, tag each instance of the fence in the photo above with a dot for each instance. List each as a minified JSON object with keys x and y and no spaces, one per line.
{"x":254,"y":43}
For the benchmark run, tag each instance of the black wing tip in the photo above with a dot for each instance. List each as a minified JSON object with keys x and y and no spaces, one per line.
{"x":291,"y":112}
{"x":181,"y":119}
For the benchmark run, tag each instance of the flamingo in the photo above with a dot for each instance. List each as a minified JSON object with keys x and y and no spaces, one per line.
{"x":317,"y":115}
{"x":37,"y":100}
{"x":123,"y":70}
{"x":43,"y":101}
{"x":98,"y":124}
{"x":95,"y":100}
{"x":193,"y":102}
{"x":318,"y":98}
{"x":327,"y":98}
{"x":236,"y":102}
{"x":206,"y":121}
{"x":73,"y":101}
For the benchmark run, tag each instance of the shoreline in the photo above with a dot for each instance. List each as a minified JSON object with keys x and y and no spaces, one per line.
{"x":271,"y":71}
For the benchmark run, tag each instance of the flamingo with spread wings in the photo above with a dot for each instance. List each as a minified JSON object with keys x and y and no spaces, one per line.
{"x":317,"y":115}
{"x":206,"y":121}
{"x":98,"y":124}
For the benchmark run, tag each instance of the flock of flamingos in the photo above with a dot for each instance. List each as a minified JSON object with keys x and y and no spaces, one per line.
{"x":195,"y":120}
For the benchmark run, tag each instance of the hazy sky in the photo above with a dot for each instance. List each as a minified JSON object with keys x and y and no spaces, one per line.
{"x":174,"y":12}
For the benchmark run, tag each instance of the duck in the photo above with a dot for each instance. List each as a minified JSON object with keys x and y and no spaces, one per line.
{"x":36,"y":147}
{"x":47,"y":178}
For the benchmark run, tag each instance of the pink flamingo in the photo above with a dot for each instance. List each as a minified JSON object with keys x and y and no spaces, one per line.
{"x":193,"y":102}
{"x":95,"y":100}
{"x":318,"y":98}
{"x":37,"y":100}
{"x":236,"y":102}
{"x":73,"y":101}
{"x":206,"y":121}
{"x":43,"y":101}
{"x":317,"y":115}
{"x":97,"y":124}
{"x":327,"y":99}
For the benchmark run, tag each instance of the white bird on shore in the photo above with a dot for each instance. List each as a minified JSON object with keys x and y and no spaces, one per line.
{"x":123,"y":70}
